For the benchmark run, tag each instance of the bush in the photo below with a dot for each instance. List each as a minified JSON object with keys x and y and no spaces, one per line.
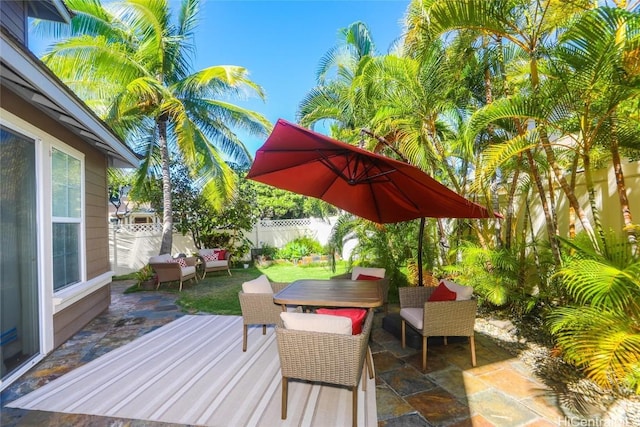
{"x":300,"y":247}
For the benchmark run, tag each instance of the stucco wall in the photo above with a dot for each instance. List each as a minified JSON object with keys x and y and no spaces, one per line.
{"x":606,"y":196}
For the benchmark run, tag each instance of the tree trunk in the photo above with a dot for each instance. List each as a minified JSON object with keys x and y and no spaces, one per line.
{"x":551,"y":228}
{"x":572,"y":212}
{"x":568,"y":191}
{"x":508,"y":227}
{"x":586,"y":161}
{"x":167,"y":217}
{"x":622,"y":191}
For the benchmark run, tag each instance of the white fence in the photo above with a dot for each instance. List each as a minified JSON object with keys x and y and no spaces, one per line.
{"x":131,"y":245}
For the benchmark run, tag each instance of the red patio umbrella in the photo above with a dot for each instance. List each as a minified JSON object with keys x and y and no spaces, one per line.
{"x":366,"y":184}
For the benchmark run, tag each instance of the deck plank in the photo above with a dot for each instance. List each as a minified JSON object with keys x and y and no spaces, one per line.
{"x":193,"y":371}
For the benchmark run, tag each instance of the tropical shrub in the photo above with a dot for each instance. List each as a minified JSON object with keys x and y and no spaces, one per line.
{"x":599,"y":331}
{"x":300,"y":247}
{"x":514,"y":279}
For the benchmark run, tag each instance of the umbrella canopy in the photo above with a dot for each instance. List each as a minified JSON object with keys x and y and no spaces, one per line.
{"x":368,"y":185}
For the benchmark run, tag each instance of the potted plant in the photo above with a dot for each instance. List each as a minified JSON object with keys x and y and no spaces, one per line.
{"x":146,"y":278}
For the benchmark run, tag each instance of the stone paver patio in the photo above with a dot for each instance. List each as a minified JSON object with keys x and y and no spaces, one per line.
{"x":500,"y":391}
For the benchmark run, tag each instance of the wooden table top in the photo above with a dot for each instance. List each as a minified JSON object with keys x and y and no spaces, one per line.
{"x":331,"y":293}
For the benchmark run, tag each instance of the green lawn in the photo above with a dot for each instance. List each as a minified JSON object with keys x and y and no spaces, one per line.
{"x":218,"y":292}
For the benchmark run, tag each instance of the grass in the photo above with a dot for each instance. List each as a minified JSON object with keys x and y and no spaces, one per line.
{"x":218,"y":292}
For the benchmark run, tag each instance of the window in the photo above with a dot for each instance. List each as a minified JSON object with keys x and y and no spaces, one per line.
{"x":66,"y":196}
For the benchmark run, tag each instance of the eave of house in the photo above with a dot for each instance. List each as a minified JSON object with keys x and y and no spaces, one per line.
{"x":50,"y":10}
{"x":24,"y":74}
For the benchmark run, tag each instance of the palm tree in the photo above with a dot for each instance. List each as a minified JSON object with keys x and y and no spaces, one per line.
{"x":528,"y":25}
{"x":133,"y":65}
{"x":599,"y":50}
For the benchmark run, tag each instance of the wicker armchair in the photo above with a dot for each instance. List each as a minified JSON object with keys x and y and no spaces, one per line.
{"x":436,"y":319}
{"x":259,"y":309}
{"x":382,"y":282}
{"x":169,"y":270}
{"x":325,"y":357}
{"x":214,"y":265}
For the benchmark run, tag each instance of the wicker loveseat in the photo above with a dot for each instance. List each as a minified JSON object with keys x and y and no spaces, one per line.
{"x":208,"y":264}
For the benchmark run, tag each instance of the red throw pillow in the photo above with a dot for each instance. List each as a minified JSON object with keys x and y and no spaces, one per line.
{"x":366,"y":277}
{"x":442,"y":293}
{"x":357,"y":316}
{"x":222,"y":254}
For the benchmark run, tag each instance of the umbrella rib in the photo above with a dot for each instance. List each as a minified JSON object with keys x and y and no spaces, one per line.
{"x":351,"y":177}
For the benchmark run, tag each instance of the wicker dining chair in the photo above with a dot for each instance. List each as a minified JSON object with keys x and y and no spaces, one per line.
{"x":259,"y":309}
{"x":325,"y":357}
{"x":436,"y":319}
{"x":383,"y":281}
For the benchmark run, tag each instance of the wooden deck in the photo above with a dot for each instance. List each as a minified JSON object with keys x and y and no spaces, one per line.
{"x":193,"y":371}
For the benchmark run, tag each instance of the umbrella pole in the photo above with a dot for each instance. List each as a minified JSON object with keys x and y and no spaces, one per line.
{"x":420,"y":238}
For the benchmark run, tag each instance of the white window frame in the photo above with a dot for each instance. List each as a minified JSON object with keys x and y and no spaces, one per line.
{"x":76,"y":155}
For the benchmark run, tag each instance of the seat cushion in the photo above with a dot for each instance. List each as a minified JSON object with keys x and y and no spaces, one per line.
{"x":259,"y":285}
{"x":188,"y":270}
{"x":366,"y":277}
{"x":160,"y":258}
{"x":415,"y":316}
{"x":357,"y":316}
{"x":317,"y":323}
{"x":367,"y":271}
{"x":442,"y":293}
{"x":211,"y":264}
{"x":462,"y":292}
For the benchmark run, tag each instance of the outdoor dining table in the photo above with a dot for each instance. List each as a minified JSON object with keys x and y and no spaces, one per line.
{"x":330,"y":293}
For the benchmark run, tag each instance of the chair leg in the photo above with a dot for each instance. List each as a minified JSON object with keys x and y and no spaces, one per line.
{"x":370,"y":363}
{"x":404,"y":333}
{"x":244,"y":338}
{"x":285,"y":383}
{"x":354,"y":420}
{"x":264,"y":329}
{"x":180,"y":285}
{"x":472,"y":343}
{"x":424,"y":353}
{"x":445,"y":341}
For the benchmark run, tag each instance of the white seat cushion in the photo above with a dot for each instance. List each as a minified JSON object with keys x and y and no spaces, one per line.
{"x":367,"y":271}
{"x":190,"y":269}
{"x":211,"y":264}
{"x":259,"y":285}
{"x":317,"y":323}
{"x":462,"y":292}
{"x":160,"y":258}
{"x":413,"y":315}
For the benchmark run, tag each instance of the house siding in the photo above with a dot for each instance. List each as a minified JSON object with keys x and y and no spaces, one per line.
{"x":68,"y":321}
{"x":72,"y":318}
{"x":14,"y":18}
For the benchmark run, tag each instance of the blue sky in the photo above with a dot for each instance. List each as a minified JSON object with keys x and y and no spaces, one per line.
{"x":281,"y":43}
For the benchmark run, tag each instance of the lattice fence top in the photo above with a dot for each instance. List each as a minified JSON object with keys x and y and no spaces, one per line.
{"x":301,"y":222}
{"x":140,"y":228}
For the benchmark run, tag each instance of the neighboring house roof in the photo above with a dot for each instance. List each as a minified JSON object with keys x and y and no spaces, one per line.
{"x":23,"y":73}
{"x":50,"y":10}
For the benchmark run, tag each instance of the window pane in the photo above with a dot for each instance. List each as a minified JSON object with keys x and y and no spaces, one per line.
{"x":66,"y":185}
{"x":19,"y":324}
{"x":66,"y":254}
